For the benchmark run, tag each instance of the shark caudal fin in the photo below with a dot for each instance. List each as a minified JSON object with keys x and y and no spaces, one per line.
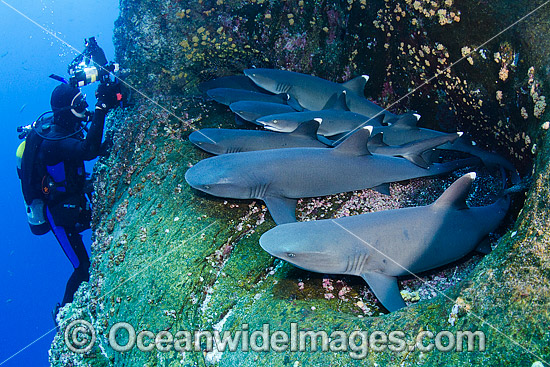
{"x":385,"y":289}
{"x":413,"y":151}
{"x":440,"y":168}
{"x":490,"y":159}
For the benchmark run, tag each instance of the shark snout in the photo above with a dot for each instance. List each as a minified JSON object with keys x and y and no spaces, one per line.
{"x":205,"y":141}
{"x":199,"y":138}
{"x":193,"y":178}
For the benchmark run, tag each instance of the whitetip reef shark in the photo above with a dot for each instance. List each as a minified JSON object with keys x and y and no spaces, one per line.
{"x":223,"y":141}
{"x":281,"y":176}
{"x":252,"y":110}
{"x":384,"y":245}
{"x":314,"y":93}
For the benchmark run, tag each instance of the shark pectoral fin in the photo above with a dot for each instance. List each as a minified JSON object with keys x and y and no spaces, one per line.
{"x":307,"y":129}
{"x":292,"y":102}
{"x":327,"y":141}
{"x":239,"y":121}
{"x":382,"y":188}
{"x":484,"y":247}
{"x":385,"y":289}
{"x":357,"y":85}
{"x":282,"y":210}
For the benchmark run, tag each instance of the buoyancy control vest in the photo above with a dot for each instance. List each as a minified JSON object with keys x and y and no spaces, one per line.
{"x":49,"y":187}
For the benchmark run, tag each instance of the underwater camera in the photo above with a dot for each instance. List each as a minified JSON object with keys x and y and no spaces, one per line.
{"x":90,"y":66}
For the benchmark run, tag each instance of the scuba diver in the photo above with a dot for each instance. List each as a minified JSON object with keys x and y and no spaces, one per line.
{"x":51,"y":163}
{"x":53,"y":177}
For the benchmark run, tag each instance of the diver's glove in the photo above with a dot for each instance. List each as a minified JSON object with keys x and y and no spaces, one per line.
{"x":105,"y":148}
{"x":108,"y":96}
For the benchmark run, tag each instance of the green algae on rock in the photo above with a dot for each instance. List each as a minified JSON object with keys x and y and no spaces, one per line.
{"x":168,"y":258}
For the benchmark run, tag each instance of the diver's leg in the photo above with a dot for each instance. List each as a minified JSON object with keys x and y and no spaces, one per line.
{"x":72,"y":245}
{"x":81,"y":272}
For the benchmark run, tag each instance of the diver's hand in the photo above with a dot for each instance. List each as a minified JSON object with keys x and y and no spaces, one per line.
{"x":108,"y":96}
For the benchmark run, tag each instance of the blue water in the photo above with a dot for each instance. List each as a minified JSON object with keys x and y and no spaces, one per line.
{"x":34,"y":270}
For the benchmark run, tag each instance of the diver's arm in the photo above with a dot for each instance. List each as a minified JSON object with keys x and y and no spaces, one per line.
{"x":92,"y":143}
{"x":74,"y":149}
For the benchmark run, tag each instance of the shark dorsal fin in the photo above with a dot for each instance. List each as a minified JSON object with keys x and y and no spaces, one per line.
{"x":337,"y":102}
{"x":378,"y":140}
{"x":308,"y":128}
{"x":356,"y":143}
{"x":406,"y":121}
{"x":455,"y":196}
{"x":357,"y":85}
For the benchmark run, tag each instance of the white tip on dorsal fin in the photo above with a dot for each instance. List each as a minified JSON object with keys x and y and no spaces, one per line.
{"x":357,"y":85}
{"x":460,"y":133}
{"x":356,"y":143}
{"x":455,"y":196}
{"x":417,"y":116}
{"x":319,"y":120}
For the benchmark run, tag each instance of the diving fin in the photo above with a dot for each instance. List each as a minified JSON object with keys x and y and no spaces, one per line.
{"x":282,"y":210}
{"x":385,"y":289}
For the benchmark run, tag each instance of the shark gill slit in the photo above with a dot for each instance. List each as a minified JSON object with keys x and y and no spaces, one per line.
{"x":283,"y":88}
{"x":258,"y":191}
{"x":348,"y":265}
{"x":233,"y":150}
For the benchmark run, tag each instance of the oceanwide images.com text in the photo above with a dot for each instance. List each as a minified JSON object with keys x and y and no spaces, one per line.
{"x":80,"y":337}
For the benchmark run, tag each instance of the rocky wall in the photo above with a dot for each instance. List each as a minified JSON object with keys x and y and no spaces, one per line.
{"x":168,"y":258}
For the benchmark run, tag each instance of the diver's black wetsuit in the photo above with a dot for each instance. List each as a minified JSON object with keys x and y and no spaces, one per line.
{"x":67,"y":208}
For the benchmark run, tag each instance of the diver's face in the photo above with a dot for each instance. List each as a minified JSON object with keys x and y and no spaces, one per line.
{"x":79,"y":105}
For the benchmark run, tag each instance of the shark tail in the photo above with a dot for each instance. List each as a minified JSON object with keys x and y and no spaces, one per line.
{"x":489,"y":159}
{"x":441,"y":168}
{"x":414,"y":150}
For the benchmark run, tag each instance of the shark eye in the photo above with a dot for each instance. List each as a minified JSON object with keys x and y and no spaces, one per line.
{"x":290,"y":254}
{"x":206,"y":187}
{"x":275,"y":121}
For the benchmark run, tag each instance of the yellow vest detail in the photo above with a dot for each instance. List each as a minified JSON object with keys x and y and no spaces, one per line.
{"x":19,"y":153}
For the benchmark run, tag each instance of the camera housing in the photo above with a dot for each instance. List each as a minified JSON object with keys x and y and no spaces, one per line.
{"x":91,"y":66}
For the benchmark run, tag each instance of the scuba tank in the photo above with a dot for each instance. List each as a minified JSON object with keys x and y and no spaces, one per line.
{"x":34,"y":205}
